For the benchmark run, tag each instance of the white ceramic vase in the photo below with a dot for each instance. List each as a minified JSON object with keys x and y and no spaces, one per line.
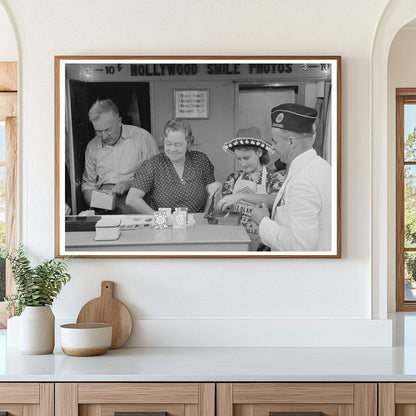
{"x":37,"y":330}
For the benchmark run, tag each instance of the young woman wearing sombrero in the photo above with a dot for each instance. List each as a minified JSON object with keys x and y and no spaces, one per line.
{"x":253,"y":184}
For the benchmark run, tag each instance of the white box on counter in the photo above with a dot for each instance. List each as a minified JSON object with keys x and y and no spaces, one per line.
{"x":107,"y":229}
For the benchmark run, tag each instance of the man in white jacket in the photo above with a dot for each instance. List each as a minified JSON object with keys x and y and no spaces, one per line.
{"x":301,"y":215}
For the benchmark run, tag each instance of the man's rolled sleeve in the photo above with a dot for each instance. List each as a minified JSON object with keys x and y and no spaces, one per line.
{"x":150,"y":147}
{"x":89,"y":177}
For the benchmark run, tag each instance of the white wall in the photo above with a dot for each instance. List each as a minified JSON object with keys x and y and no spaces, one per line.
{"x":401,"y":74}
{"x":8,"y":45}
{"x":210,"y":135}
{"x":203,"y":302}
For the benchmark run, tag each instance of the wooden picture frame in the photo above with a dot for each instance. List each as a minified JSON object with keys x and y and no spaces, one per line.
{"x":238,"y":92}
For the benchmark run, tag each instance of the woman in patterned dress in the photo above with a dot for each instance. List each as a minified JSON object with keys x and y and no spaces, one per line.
{"x":179,"y":177}
{"x":253,"y":184}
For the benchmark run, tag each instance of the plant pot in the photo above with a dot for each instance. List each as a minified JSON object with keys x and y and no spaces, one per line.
{"x":37,"y":330}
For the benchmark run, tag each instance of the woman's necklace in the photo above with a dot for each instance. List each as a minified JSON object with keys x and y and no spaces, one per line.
{"x":182,"y":180}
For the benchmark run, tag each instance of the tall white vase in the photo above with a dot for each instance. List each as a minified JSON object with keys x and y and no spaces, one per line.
{"x":37,"y":330}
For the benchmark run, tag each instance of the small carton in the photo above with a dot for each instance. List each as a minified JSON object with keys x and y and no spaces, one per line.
{"x":103,"y":200}
{"x":107,"y":229}
{"x":179,"y":219}
{"x":160,"y":220}
{"x":185,"y":209}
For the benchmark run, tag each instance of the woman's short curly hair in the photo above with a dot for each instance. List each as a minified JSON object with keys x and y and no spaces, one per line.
{"x":179,"y":124}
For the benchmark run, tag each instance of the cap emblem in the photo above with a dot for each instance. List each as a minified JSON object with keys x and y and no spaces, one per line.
{"x":280,"y":117}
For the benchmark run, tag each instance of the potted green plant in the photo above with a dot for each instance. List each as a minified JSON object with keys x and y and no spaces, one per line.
{"x":36,"y":289}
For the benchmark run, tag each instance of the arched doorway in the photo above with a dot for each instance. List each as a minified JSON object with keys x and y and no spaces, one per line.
{"x":396,"y":15}
{"x":401,"y":124}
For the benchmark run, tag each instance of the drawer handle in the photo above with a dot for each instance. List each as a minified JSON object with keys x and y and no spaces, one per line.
{"x":295,"y":413}
{"x":139,"y":414}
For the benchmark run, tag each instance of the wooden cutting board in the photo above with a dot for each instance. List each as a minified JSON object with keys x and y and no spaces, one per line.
{"x":109,"y":310}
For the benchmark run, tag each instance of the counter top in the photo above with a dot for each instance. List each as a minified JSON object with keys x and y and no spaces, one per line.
{"x":199,"y":237}
{"x":214,"y":365}
{"x":388,"y":364}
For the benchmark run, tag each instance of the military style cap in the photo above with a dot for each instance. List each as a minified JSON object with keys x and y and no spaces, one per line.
{"x":294,"y":117}
{"x":248,"y":137}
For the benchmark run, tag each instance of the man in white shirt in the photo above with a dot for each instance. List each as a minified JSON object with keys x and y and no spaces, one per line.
{"x":115,"y":152}
{"x":301,"y":214}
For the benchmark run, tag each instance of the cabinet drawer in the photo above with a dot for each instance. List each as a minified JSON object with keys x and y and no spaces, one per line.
{"x":147,"y":399}
{"x":270,"y":399}
{"x":138,"y":393}
{"x":19,"y":393}
{"x":293,"y":392}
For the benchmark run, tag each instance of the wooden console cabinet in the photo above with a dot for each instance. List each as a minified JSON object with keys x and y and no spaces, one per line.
{"x":208,"y":399}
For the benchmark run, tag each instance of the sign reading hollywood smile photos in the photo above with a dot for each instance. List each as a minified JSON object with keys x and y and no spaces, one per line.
{"x":248,"y":146}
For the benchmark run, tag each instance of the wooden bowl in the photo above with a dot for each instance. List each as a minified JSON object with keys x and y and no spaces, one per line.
{"x":84,"y":340}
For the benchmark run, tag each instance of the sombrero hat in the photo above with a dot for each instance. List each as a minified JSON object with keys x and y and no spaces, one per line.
{"x":248,"y":137}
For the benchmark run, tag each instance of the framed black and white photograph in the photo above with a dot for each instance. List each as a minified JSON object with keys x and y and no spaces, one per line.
{"x":198,"y":156}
